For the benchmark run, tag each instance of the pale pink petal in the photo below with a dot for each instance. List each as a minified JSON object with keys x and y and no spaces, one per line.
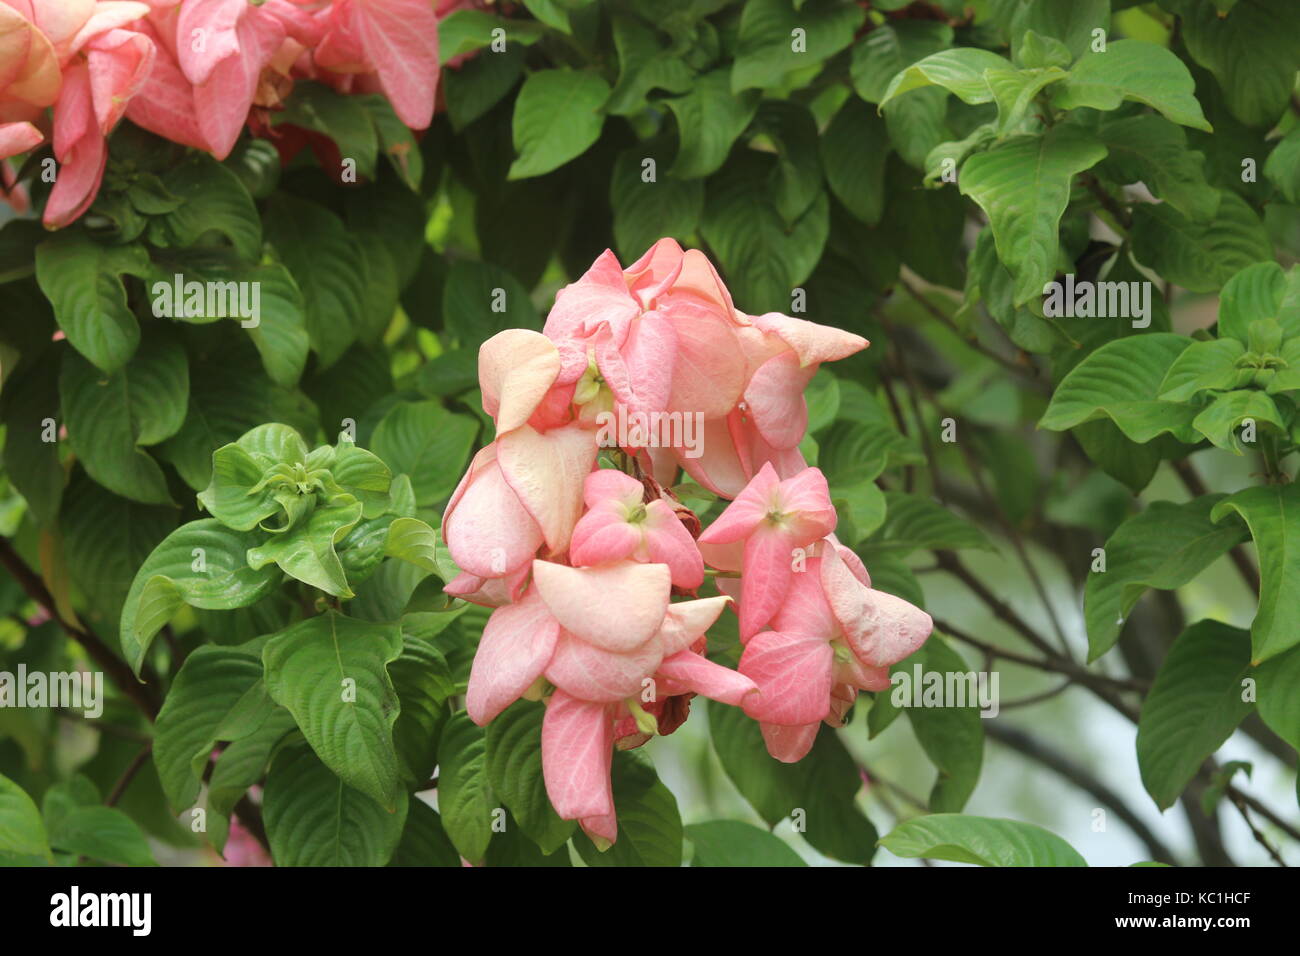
{"x":709,"y":375}
{"x":224,"y":100}
{"x":775,"y":399}
{"x":686,"y":621}
{"x":547,"y":470}
{"x":790,"y":744}
{"x":516,"y":368}
{"x":119,"y":64}
{"x":602,"y":535}
{"x":18,"y":138}
{"x":811,"y":342}
{"x":882,"y":629}
{"x":668,"y":542}
{"x":487,"y":529}
{"x":793,"y":674}
{"x":400,"y":40}
{"x":765,"y":580}
{"x":701,"y":675}
{"x":518,"y":641}
{"x":617,"y":607}
{"x":746,"y":512}
{"x":80,"y":148}
{"x":605,"y":483}
{"x":655,"y":272}
{"x":719,"y":468}
{"x":593,"y":673}
{"x":805,"y":610}
{"x":577,"y":748}
{"x":108,"y":15}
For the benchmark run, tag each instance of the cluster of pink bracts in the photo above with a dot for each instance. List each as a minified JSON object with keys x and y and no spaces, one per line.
{"x":192,"y":70}
{"x":580,"y":562}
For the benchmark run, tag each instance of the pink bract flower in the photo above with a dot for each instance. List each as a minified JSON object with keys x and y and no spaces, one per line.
{"x":773,"y":518}
{"x":603,"y":639}
{"x":832,"y":636}
{"x":619,"y":524}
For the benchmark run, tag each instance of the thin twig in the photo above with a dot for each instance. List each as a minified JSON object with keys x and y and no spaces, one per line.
{"x":128,"y":775}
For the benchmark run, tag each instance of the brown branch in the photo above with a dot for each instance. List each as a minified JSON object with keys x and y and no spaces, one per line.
{"x":1196,"y":488}
{"x":99,"y":652}
{"x":1122,"y":216}
{"x":128,"y":775}
{"x":1029,"y":746}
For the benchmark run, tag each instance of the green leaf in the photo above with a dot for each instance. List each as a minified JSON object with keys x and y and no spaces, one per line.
{"x":645,"y":211}
{"x":853,"y":152}
{"x":1151,"y":150}
{"x":762,"y":258}
{"x":331,"y":673}
{"x":464,"y":31}
{"x":102,"y":833}
{"x":208,"y":687}
{"x":214,"y":200}
{"x":110,"y":418}
{"x":916,"y":123}
{"x":465,"y":797}
{"x":83,"y":281}
{"x":776,"y":38}
{"x":1165,"y":547}
{"x":1253,"y":52}
{"x":1202,"y":366}
{"x":1193,"y":707}
{"x":891,"y":47}
{"x":1279,"y":704}
{"x":30,"y":413}
{"x":1283,"y":167}
{"x":1072,"y":23}
{"x":1199,"y":256}
{"x":1136,"y":71}
{"x":22,"y":832}
{"x":792,"y":131}
{"x":514,"y":766}
{"x":983,"y":841}
{"x":823,"y":785}
{"x":1219,"y":420}
{"x":649,"y":826}
{"x":951,"y":736}
{"x":1120,"y":381}
{"x":960,"y":71}
{"x":1259,"y":291}
{"x":732,"y":843}
{"x":242,"y":764}
{"x":479,"y":85}
{"x":1273,"y":515}
{"x":557,"y":118}
{"x":424,"y":842}
{"x":314,"y":819}
{"x":913,"y":522}
{"x":106,"y":538}
{"x":343,"y":119}
{"x":411,"y":540}
{"x":644,"y":64}
{"x":202,"y":564}
{"x":328,"y":267}
{"x":1023,"y":184}
{"x":306,"y":551}
{"x":709,"y":119}
{"x":423,"y":683}
{"x":481,"y":299}
{"x":281,"y":333}
{"x":428,"y":444}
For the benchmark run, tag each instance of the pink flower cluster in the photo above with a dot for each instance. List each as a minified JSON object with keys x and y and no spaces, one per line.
{"x":192,"y":70}
{"x":581,"y":561}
